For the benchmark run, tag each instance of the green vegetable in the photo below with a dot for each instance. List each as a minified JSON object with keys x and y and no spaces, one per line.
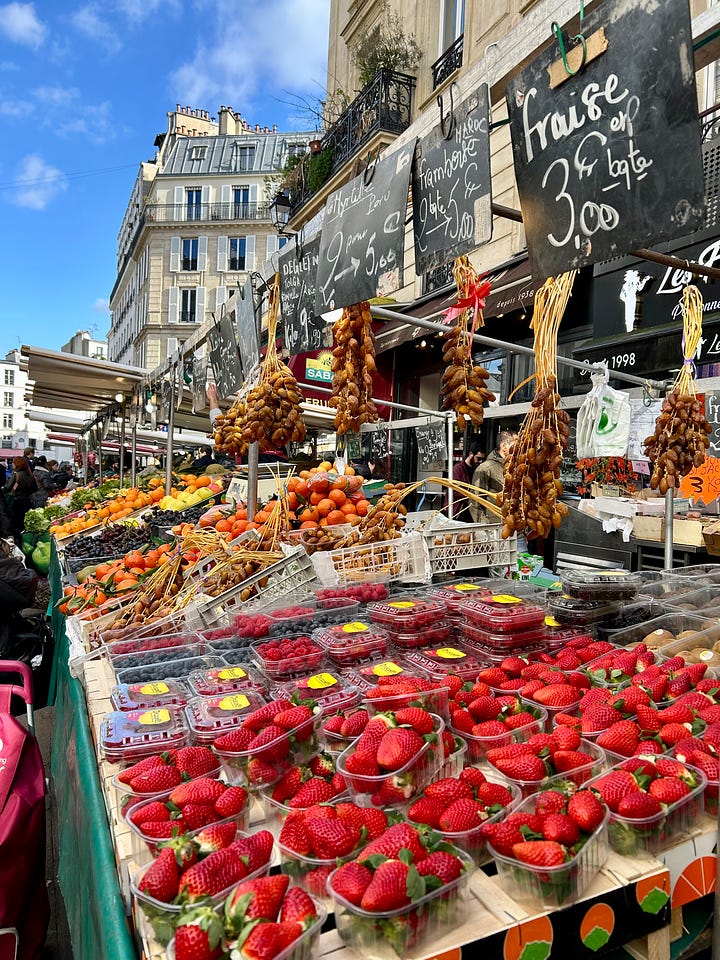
{"x":36,"y":521}
{"x":41,"y":557}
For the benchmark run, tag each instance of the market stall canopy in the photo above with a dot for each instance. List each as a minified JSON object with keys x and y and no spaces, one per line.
{"x":71,"y":427}
{"x":68,"y":382}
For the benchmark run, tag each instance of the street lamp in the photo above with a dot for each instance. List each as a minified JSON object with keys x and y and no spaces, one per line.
{"x":280,"y":214}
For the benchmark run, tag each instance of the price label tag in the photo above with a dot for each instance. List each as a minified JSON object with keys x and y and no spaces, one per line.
{"x":466,"y":586}
{"x":355,"y":627}
{"x":387,"y":669}
{"x":320,"y":681}
{"x":154,"y":689}
{"x":237,"y":701}
{"x":505,"y":598}
{"x":402,"y":604}
{"x":152,"y":718}
{"x":232,"y":673}
{"x":450,"y":653}
{"x":551,"y":622}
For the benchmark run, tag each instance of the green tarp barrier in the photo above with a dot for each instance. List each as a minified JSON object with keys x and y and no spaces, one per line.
{"x":87,"y":872}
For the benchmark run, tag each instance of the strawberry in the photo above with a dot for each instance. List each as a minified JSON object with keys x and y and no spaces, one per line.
{"x":289,"y":783}
{"x":463,"y":721}
{"x":211,"y":876}
{"x":649,"y":718}
{"x":483,"y":708}
{"x":586,"y":810}
{"x":550,"y":801}
{"x":162,"y":830}
{"x":196,"y":762}
{"x":539,"y":853}
{"x":388,"y":889}
{"x":561,"y":828}
{"x":562,"y":719}
{"x":621,"y":737}
{"x":709,"y":765}
{"x":267,"y":940}
{"x":198,"y":815}
{"x":614,"y":786}
{"x":351,"y":880}
{"x":528,"y":767}
{"x":354,"y":725}
{"x":396,"y":838}
{"x":522,"y":719}
{"x":489,"y":728}
{"x":332,"y":838}
{"x":556,"y":695}
{"x":256,"y":849}
{"x":565,"y":760}
{"x":638,"y":805}
{"x":232,"y":802}
{"x":334,"y":724}
{"x":156,"y":779}
{"x":448,"y":789}
{"x":362,"y":763}
{"x":630,"y":698}
{"x":672,"y":733}
{"x":294,"y":717}
{"x":510,"y":752}
{"x":599,"y":717}
{"x":235,"y":741}
{"x":566,"y":738}
{"x":427,"y":810}
{"x":373,"y":821}
{"x":203,"y":790}
{"x":322,"y":765}
{"x":416,"y":718}
{"x":127,"y":775}
{"x":502,"y":836}
{"x":199,"y":936}
{"x":369,"y":740}
{"x":160,"y":880}
{"x":473,"y":776}
{"x":442,"y":865}
{"x":398,"y":747}
{"x":215,"y":837}
{"x":257,"y":899}
{"x":462,"y":815}
{"x":298,"y":907}
{"x":314,"y":790}
{"x":263,"y":716}
{"x":668,"y":789}
{"x":493,"y":794}
{"x":270,"y":744}
{"x":155,"y":812}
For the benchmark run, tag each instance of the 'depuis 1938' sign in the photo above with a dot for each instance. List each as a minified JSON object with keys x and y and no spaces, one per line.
{"x":609,"y":160}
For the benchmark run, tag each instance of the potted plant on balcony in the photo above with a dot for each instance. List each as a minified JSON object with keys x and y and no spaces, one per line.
{"x":320,"y":167}
{"x":385,"y":47}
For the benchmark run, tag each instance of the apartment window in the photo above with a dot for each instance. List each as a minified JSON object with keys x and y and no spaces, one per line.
{"x":7,"y":440}
{"x":9,"y":378}
{"x":453,"y":22}
{"x":8,"y":421}
{"x":188,"y":305}
{"x":9,"y":399}
{"x":238,"y":248}
{"x":241,"y":202}
{"x":194,"y":205}
{"x":244,"y":157}
{"x":282,"y":241}
{"x":190,"y":253}
{"x":198,"y":153}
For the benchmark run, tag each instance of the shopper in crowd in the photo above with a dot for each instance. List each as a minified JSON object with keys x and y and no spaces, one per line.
{"x":204,"y":460}
{"x":59,"y":474}
{"x":29,"y":454}
{"x":489,"y":475}
{"x":463,"y":471}
{"x":46,"y":486}
{"x":18,"y":489}
{"x":3,"y":472}
{"x":377,"y":471}
{"x":361,"y":468}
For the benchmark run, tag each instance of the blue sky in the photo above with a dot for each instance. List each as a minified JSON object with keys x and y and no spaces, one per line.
{"x":84,"y":89}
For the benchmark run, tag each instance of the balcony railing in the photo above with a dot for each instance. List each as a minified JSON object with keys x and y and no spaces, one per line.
{"x":182,"y":213}
{"x":448,"y":63}
{"x":710,"y":123}
{"x":383,"y":106}
{"x":188,"y":316}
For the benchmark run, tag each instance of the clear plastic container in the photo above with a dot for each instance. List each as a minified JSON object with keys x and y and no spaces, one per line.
{"x":127,"y":796}
{"x":407,"y":931}
{"x":127,"y":736}
{"x":363,"y":593}
{"x":580,"y":776}
{"x":298,"y":745}
{"x":554,"y":886}
{"x":701,"y":647}
{"x":663,"y":630}
{"x":479,"y":746}
{"x":352,"y":641}
{"x":209,"y":717}
{"x":630,"y":615}
{"x":648,"y":836}
{"x":709,"y":572}
{"x":156,"y":921}
{"x":442,"y":632}
{"x":603,"y":585}
{"x":579,"y":613}
{"x":328,"y":690}
{"x":145,"y":696}
{"x":335,"y":743}
{"x":311,"y":873}
{"x":178,"y":668}
{"x":669,"y":589}
{"x":407,"y":615}
{"x":132,"y":646}
{"x":413,"y":776}
{"x":570,"y":708}
{"x":217,"y":681}
{"x":506,"y":643}
{"x":438,"y":662}
{"x":503,"y":613}
{"x":454,"y":594}
{"x":365,"y":677}
{"x":303,"y":656}
{"x":457,"y":760}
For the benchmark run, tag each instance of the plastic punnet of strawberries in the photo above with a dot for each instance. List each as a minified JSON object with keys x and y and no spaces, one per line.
{"x":161,"y":772}
{"x":263,"y":917}
{"x":487,"y":721}
{"x":562,"y":754}
{"x":404,"y":888}
{"x":552,"y":846}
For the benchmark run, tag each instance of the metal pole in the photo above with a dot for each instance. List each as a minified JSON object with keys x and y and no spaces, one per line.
{"x":122,"y":444}
{"x":100,"y":475}
{"x":171,"y":428}
{"x":85,"y":462}
{"x":669,"y":496}
{"x":253,"y":461}
{"x":388,"y":403}
{"x":133,"y":452}
{"x":383,"y":314}
{"x":450,"y":446}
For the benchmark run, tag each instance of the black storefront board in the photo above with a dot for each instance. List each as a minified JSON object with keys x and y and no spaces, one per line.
{"x":224,"y":357}
{"x":610,"y":160}
{"x":303,"y":329}
{"x":432,"y":446}
{"x":363,"y":235}
{"x":452,"y":197}
{"x":247,"y":328}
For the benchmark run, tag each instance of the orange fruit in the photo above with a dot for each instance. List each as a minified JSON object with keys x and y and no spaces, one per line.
{"x":336,"y":516}
{"x":349,"y":471}
{"x":302,"y":489}
{"x":325,"y":465}
{"x":308,"y":524}
{"x":348,"y":508}
{"x":337,"y":497}
{"x":223,"y":526}
{"x":316,"y":497}
{"x":307,"y":516}
{"x":362,"y":507}
{"x":324,"y":506}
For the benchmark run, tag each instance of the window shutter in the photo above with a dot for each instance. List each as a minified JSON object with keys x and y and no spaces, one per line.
{"x":202,"y":252}
{"x":272,"y":245}
{"x":200,"y":305}
{"x":172,"y":345}
{"x":225,"y":201}
{"x":250,"y":253}
{"x":175,"y":245}
{"x":173,"y":305}
{"x":253,"y":193}
{"x":179,"y":203}
{"x":220,"y":298}
{"x":204,"y":197}
{"x":222,"y":256}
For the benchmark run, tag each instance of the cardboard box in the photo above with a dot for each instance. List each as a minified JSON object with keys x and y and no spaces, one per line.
{"x":689,"y":532}
{"x":648,"y":527}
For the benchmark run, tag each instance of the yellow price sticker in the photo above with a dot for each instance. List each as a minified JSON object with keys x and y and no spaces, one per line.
{"x":232,"y":673}
{"x":467,"y":586}
{"x":450,"y":653}
{"x":321,"y":680}
{"x":238,"y":701}
{"x":551,"y":622}
{"x":506,"y":598}
{"x":402,"y":604}
{"x":355,"y":627}
{"x":152,"y":718}
{"x":387,"y":669}
{"x":153,"y":689}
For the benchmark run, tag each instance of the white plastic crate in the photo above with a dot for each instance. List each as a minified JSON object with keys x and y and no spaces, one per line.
{"x":404,"y":559}
{"x":454,"y":546}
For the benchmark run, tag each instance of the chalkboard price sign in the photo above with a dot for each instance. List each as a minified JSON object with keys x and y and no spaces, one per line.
{"x":363,"y":235}
{"x":432,"y":446}
{"x":451,"y":187}
{"x":609,"y":160}
{"x":199,"y":376}
{"x":304,"y":331}
{"x":247,"y":328}
{"x":224,"y":357}
{"x":712,"y":415}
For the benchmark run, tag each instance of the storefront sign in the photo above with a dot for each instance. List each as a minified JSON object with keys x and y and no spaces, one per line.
{"x":303,"y":330}
{"x":319,"y":369}
{"x":703,"y":482}
{"x":247,"y":328}
{"x":432,"y":446}
{"x":224,"y":357}
{"x":363,"y":235}
{"x":451,"y":186}
{"x":609,"y":160}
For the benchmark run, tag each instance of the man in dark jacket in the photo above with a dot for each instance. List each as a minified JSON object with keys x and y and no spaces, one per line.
{"x":463,"y":471}
{"x":489,"y":475}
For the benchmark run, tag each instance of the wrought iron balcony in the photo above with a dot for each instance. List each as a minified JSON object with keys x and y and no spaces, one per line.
{"x":710,"y":123}
{"x":203,"y":212}
{"x":383,"y":106}
{"x":448,"y":63}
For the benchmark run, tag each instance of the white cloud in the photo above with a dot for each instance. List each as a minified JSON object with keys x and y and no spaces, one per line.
{"x":101,"y":305}
{"x":242,"y":57}
{"x":20,"y":23}
{"x":11,"y":107}
{"x":38,"y":183}
{"x":140,"y":10}
{"x":91,"y":22}
{"x":66,"y":115}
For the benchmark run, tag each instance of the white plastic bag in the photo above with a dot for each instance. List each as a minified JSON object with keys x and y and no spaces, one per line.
{"x":603,"y":423}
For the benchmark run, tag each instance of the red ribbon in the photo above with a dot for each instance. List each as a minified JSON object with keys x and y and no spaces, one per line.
{"x":475,"y":300}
